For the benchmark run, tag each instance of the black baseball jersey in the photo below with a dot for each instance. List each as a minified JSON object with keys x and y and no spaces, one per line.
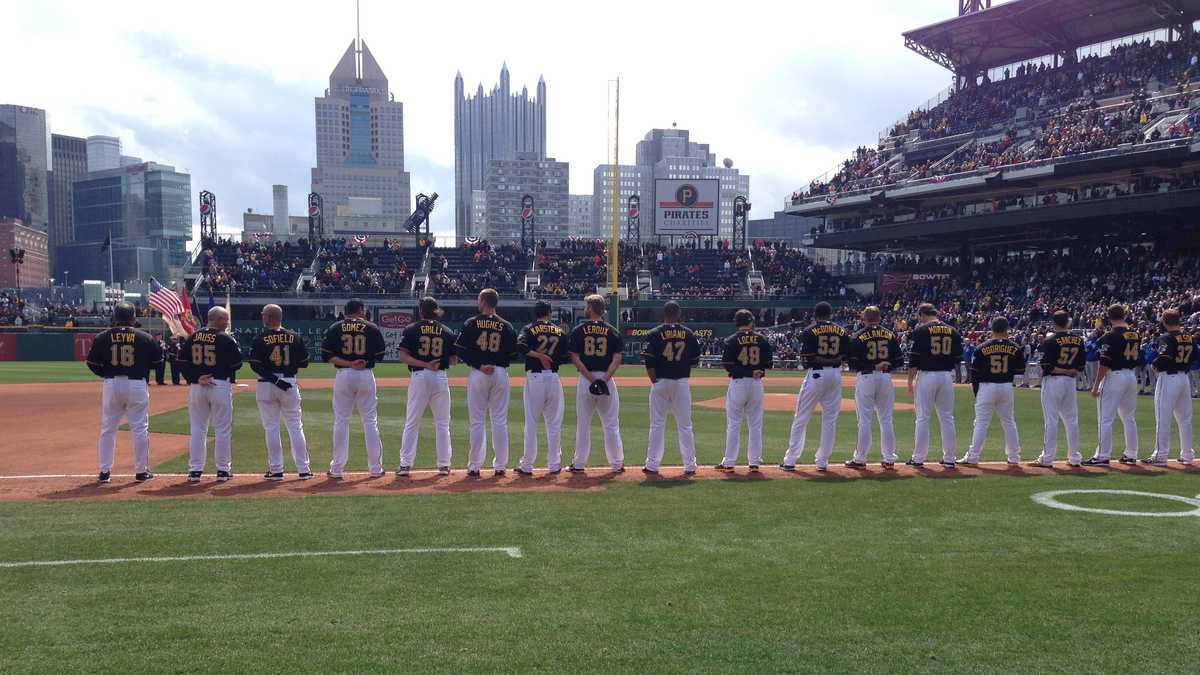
{"x":671,"y":349}
{"x":823,"y":345}
{"x":354,"y":339}
{"x":209,"y":352}
{"x":935,"y":346}
{"x":277,"y":351}
{"x":428,"y":340}
{"x":873,"y":345}
{"x":1120,"y":349}
{"x":124,"y":351}
{"x":746,"y":352}
{"x":487,"y":341}
{"x":1176,"y":353}
{"x":997,"y":360}
{"x":1063,"y":350}
{"x":595,"y":343}
{"x":547,"y":338}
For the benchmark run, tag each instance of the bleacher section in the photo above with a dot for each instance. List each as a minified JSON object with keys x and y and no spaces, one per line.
{"x":252,"y":267}
{"x":366,"y":270}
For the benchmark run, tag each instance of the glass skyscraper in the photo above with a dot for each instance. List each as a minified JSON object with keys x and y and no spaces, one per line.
{"x":360,"y":139}
{"x":24,"y":163}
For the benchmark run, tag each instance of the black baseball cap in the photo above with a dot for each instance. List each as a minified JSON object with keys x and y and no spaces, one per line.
{"x":429,"y":308}
{"x":541,"y":309}
{"x":123,"y":313}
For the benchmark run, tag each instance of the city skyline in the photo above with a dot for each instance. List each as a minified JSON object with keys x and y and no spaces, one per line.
{"x":239,"y":118}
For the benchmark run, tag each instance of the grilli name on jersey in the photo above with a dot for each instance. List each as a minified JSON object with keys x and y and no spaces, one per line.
{"x":431,"y":329}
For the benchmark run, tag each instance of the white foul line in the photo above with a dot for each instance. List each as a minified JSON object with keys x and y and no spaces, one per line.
{"x":510,"y":551}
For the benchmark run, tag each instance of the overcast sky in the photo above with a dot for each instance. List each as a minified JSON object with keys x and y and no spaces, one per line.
{"x":224,"y":90}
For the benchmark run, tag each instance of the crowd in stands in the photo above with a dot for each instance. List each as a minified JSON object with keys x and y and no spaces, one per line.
{"x":253,"y":265}
{"x":1061,"y":104}
{"x":484,"y":266}
{"x":347,"y":268}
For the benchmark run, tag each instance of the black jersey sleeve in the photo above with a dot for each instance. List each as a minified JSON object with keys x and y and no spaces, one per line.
{"x":97,"y":353}
{"x":465,"y":344}
{"x":331,"y":344}
{"x":692,"y":356}
{"x":409,"y":338}
{"x":651,"y":349}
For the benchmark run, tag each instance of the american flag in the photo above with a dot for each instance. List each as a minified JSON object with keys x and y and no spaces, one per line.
{"x":164,"y":299}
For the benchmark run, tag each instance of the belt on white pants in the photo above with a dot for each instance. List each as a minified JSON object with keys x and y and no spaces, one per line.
{"x":543,"y":375}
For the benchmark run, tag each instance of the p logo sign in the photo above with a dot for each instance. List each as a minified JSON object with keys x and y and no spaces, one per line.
{"x":687,"y":195}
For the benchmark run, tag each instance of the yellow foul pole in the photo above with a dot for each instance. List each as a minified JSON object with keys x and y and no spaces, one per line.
{"x":614,"y":262}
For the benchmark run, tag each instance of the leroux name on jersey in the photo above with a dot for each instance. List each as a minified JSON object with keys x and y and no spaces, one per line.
{"x":595,"y":329}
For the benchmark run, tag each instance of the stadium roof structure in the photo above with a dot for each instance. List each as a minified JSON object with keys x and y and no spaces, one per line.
{"x":1026,"y":29}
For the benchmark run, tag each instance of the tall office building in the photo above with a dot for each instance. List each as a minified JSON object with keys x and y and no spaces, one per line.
{"x":24,"y":163}
{"x":670,"y":153}
{"x":146,"y":208}
{"x":70,"y":159}
{"x":103,"y":153}
{"x":279,"y":202}
{"x":360,"y":138}
{"x":635,"y":180}
{"x":579,"y":218}
{"x":496,"y":125}
{"x":508,"y":180}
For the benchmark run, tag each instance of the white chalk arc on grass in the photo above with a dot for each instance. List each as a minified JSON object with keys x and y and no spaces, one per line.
{"x":510,"y":551}
{"x":1051,"y":499}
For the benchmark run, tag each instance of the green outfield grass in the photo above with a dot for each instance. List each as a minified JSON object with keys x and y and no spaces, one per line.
{"x":939,"y":573}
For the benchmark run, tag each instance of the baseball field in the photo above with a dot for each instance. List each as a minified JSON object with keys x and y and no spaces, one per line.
{"x":977,"y":569}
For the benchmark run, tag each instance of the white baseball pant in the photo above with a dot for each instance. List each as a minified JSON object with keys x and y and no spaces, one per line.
{"x":1194,"y":377}
{"x":543,"y":398}
{"x":123,"y":397}
{"x":824,"y":386}
{"x":609,"y":409}
{"x":1060,"y":402}
{"x":934,"y":393}
{"x":995,"y":398}
{"x":875,"y":398}
{"x":674,"y":396}
{"x":1091,"y":369}
{"x":743,"y":401}
{"x":274,"y":403}
{"x":427,"y":389}
{"x":1173,"y":398}
{"x":1118,"y":397}
{"x":488,"y":395}
{"x":211,"y":404}
{"x":355,"y":390}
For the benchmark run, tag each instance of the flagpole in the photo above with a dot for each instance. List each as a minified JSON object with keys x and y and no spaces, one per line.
{"x":110,"y":259}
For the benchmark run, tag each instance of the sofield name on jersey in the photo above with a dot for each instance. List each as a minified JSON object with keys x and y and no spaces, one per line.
{"x":278,"y":339}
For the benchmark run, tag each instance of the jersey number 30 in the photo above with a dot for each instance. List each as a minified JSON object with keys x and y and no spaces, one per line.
{"x":354,"y":344}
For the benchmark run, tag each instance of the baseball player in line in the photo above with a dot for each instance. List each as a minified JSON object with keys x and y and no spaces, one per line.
{"x":1116,"y":388}
{"x":596,"y":349}
{"x":123,"y":356}
{"x":210,"y":360}
{"x":275,"y":356}
{"x":670,"y":352}
{"x":873,"y":349}
{"x":427,"y":347}
{"x":354,"y":345}
{"x":544,"y":345}
{"x":823,"y":345}
{"x":1173,"y":361}
{"x":935,"y":348}
{"x":746,"y":356}
{"x":1064,"y":357}
{"x":487,"y":343}
{"x":993,"y":368}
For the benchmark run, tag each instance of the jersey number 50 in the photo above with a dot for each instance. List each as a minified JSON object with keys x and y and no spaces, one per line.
{"x":940,"y":346}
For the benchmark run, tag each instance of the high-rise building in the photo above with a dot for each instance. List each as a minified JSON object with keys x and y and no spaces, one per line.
{"x":279,"y":201}
{"x":496,"y":125}
{"x":508,"y":180}
{"x":145,"y":207}
{"x":478,"y":213}
{"x":579,"y":218}
{"x":70,"y":159}
{"x":670,"y":153}
{"x":103,"y":153}
{"x":360,"y":138}
{"x":24,"y":163}
{"x":635,"y":180}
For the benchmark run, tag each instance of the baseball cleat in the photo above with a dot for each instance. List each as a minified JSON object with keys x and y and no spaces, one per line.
{"x":648,"y":471}
{"x":105,"y":477}
{"x":888,"y":466}
{"x":224,"y":476}
{"x":1127,"y":460}
{"x":1154,"y":462}
{"x":753,"y":468}
{"x":1185,"y":462}
{"x":618,"y":469}
{"x":690,"y":472}
{"x":523,"y":472}
{"x":403,"y":471}
{"x":822,"y":469}
{"x":376,"y":474}
{"x":1042,"y":465}
{"x":334,"y":476}
{"x":574,"y":469}
{"x":915,"y":464}
{"x":194,"y":476}
{"x":948,"y":465}
{"x":443,"y":471}
{"x":965,"y":462}
{"x":554,"y":472}
{"x":307,"y":475}
{"x":273,"y":475}
{"x":1095,"y":461}
{"x":143,"y":476}
{"x":788,"y":467}
{"x":472,"y":474}
{"x":1013,"y":462}
{"x":499,"y":472}
{"x":851,"y":464}
{"x":722,"y":467}
{"x":1073,"y":465}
